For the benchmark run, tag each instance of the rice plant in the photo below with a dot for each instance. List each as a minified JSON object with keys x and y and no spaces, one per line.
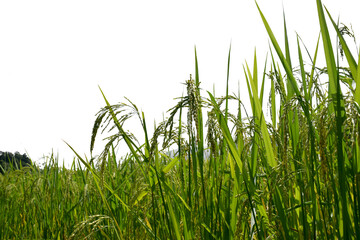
{"x":209,"y":173}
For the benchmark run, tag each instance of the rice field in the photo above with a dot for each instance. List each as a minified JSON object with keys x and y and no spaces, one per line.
{"x":208,"y":172}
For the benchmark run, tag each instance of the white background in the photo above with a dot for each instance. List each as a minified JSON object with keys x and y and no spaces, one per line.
{"x":55,"y":54}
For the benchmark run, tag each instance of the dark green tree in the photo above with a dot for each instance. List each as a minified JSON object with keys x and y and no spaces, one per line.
{"x":10,"y":161}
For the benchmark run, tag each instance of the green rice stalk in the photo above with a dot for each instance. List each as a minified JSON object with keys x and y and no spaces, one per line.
{"x":336,"y":95}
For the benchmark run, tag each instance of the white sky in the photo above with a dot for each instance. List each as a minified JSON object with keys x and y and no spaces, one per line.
{"x":54,"y":54}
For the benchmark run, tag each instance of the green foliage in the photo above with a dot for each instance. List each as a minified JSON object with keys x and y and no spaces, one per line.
{"x":9,"y":161}
{"x":231,"y":177}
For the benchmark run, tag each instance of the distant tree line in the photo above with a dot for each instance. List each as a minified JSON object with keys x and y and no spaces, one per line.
{"x":9,"y":161}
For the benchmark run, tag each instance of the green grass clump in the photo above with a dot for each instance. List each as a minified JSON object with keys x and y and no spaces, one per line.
{"x":230,"y":176}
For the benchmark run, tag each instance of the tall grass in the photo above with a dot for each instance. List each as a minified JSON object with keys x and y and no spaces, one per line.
{"x":233,"y":176}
